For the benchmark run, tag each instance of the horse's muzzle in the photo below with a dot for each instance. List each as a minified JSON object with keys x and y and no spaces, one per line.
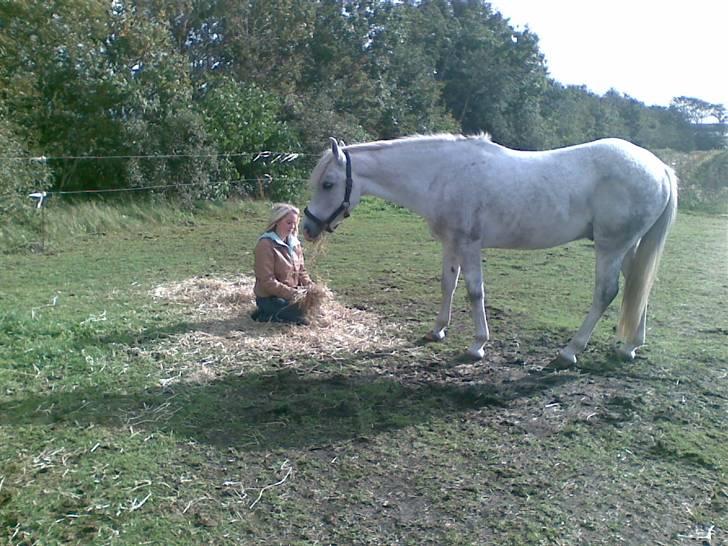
{"x":311,"y":232}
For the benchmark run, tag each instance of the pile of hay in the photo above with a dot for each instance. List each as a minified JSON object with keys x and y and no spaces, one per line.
{"x":223,"y":338}
{"x":208,"y":296}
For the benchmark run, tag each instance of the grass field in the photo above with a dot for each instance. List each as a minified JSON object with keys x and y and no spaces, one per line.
{"x":140,"y":405}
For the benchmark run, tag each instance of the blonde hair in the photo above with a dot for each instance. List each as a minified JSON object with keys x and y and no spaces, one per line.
{"x":280,"y":211}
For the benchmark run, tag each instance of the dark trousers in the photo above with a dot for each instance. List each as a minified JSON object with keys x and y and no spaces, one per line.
{"x":275,"y":309}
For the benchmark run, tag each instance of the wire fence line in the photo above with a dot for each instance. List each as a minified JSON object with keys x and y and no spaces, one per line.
{"x":282,"y":157}
{"x":168,"y":186}
{"x":22,"y":199}
{"x":39,"y":199}
{"x":271,"y":157}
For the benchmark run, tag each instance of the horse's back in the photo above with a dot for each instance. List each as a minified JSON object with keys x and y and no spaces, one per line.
{"x":610,"y":166}
{"x":538,"y":199}
{"x":630,"y":189}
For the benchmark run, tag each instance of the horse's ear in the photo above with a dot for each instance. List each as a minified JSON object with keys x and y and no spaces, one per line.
{"x":336,"y":147}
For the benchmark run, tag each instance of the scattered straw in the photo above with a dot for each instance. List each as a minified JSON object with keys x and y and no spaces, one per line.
{"x":313,"y":300}
{"x":222,"y":335}
{"x":288,"y":468}
{"x":209,"y":296}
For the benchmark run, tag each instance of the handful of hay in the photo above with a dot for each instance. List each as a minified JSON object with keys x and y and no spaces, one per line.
{"x":311,"y":300}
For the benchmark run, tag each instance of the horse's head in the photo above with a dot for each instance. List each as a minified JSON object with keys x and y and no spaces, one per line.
{"x":332,"y":192}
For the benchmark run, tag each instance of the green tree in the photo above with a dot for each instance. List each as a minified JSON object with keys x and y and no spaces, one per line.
{"x":403,"y":65}
{"x":335,"y":95}
{"x":164,"y":135}
{"x":494,"y":77}
{"x":56,"y":82}
{"x":695,"y":110}
{"x":568,"y":114}
{"x":261,"y":41}
{"x":698,"y":113}
{"x":245,"y":120}
{"x":87,"y":79}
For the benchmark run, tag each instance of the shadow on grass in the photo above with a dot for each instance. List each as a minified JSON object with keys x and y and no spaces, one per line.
{"x":278,"y":409}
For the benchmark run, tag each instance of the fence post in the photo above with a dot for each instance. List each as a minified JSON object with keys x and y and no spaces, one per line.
{"x":40,"y":196}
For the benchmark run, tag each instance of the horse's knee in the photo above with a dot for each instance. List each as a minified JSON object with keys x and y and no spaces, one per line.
{"x":609,"y":291}
{"x":476,"y":294}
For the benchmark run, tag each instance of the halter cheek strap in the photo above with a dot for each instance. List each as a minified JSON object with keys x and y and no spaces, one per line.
{"x":343,"y":208}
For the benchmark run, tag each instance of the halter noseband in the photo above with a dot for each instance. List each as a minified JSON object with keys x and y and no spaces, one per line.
{"x":344,"y":207}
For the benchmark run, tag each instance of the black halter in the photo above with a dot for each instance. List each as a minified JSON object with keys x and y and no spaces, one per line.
{"x":344,"y":207}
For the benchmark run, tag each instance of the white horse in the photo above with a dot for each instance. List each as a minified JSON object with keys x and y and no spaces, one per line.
{"x":477,"y":194}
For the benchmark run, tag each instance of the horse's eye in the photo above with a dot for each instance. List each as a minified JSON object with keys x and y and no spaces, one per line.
{"x":328,"y":185}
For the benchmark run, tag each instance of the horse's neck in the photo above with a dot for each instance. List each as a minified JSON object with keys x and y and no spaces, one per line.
{"x":399,"y":178}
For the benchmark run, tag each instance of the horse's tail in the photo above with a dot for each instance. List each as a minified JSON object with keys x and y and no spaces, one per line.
{"x":641,"y":274}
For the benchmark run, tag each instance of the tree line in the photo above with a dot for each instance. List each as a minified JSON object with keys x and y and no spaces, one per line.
{"x":174,"y":92}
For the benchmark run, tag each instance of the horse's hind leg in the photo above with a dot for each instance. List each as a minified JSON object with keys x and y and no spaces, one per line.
{"x":606,"y":287}
{"x":627,"y":348}
{"x":629,"y":342}
{"x":449,"y":281}
{"x":473,"y":273}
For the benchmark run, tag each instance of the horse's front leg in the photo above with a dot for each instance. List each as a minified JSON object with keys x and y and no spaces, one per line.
{"x":473,"y":273}
{"x":448,"y":282}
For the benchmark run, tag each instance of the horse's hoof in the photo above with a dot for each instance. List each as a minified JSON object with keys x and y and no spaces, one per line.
{"x":475,"y":355}
{"x":626,"y":354}
{"x":433,"y":337}
{"x":562,"y":362}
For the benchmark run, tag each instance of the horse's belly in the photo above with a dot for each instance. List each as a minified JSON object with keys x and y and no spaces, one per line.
{"x":532,"y":236}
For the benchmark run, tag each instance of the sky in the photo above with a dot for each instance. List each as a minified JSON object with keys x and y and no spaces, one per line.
{"x":651,"y":50}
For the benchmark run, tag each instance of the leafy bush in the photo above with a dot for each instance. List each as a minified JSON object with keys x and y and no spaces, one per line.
{"x":712,"y":177}
{"x":245,"y":120}
{"x":192,"y":167}
{"x":703,"y":179}
{"x":19,"y":176}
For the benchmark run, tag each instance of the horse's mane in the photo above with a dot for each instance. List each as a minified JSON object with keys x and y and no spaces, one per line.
{"x":436,"y":137}
{"x":327,"y":156}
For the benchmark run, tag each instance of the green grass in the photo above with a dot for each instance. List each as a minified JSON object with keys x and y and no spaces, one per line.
{"x":408,"y":445}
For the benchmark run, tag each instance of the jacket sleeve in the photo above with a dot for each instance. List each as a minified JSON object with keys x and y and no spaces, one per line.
{"x":265,"y":271}
{"x":303,"y":277}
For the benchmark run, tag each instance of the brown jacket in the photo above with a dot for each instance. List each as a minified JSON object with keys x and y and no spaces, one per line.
{"x":276,"y":273}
